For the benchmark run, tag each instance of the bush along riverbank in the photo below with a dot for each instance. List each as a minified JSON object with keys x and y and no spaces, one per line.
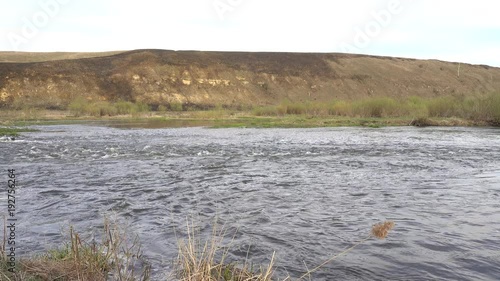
{"x":118,"y":256}
{"x":475,"y":109}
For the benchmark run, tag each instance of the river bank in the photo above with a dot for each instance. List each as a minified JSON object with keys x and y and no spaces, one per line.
{"x":221,"y":119}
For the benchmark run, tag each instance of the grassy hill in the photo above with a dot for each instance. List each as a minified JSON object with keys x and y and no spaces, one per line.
{"x":229,"y":79}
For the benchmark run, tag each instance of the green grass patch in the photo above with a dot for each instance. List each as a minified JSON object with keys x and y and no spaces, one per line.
{"x":14,"y":132}
{"x":117,"y":254}
{"x":82,"y":107}
{"x":301,"y":121}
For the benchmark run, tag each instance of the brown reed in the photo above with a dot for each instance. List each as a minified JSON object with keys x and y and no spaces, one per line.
{"x":381,"y":230}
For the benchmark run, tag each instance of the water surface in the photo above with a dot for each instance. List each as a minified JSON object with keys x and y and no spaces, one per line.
{"x":304,"y":193}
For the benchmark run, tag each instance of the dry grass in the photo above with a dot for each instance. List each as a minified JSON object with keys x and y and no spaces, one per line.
{"x":115,"y":258}
{"x":77,"y":262}
{"x":382,"y":229}
{"x":206,"y":261}
{"x":485,"y":109}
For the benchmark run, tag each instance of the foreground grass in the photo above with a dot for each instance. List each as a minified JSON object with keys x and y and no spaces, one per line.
{"x":206,"y":260}
{"x":117,"y":257}
{"x":114,"y":258}
{"x":198,"y":262}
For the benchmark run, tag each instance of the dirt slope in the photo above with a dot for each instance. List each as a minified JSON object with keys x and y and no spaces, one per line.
{"x":230,"y":78}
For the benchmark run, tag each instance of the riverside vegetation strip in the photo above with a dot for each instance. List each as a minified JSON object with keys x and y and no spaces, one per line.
{"x":369,"y":112}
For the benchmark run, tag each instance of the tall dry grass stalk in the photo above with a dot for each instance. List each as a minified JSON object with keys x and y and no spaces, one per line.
{"x":117,"y":257}
{"x":206,"y":261}
{"x":123,"y":252}
{"x":379,"y":230}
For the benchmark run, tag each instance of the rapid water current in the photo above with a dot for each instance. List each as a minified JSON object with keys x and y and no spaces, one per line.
{"x":305,"y":194}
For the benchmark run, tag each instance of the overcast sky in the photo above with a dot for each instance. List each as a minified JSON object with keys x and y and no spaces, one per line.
{"x":466,"y":31}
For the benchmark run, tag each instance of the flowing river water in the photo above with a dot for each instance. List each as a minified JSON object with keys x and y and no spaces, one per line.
{"x":305,"y":194}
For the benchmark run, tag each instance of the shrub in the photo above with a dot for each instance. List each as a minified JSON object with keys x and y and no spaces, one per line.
{"x":161,"y":108}
{"x":142,"y":107}
{"x":281,"y":109}
{"x":267,"y":111}
{"x":316,"y":109}
{"x":296,"y":109}
{"x":78,"y":107}
{"x":415,"y":107}
{"x":443,"y":107}
{"x":376,"y":107}
{"x":340,"y":108}
{"x":495,"y":107}
{"x":491,"y":108}
{"x":176,"y":106}
{"x":470,"y":108}
{"x":125,"y":107}
{"x":104,"y":108}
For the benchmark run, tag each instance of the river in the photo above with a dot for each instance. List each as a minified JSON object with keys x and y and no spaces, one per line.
{"x":306,"y":194}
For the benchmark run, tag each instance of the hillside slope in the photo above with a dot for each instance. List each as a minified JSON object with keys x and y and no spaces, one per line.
{"x":205,"y":79}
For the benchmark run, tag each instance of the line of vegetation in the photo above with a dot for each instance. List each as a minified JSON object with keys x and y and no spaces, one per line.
{"x":13,"y":132}
{"x":83,"y":107}
{"x":370,"y":112}
{"x":119,"y":257}
{"x":485,"y":109}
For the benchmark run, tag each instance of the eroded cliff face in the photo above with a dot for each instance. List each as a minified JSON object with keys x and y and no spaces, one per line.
{"x":203,"y":79}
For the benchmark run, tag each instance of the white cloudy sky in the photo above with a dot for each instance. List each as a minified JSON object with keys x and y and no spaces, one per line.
{"x":466,"y":31}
